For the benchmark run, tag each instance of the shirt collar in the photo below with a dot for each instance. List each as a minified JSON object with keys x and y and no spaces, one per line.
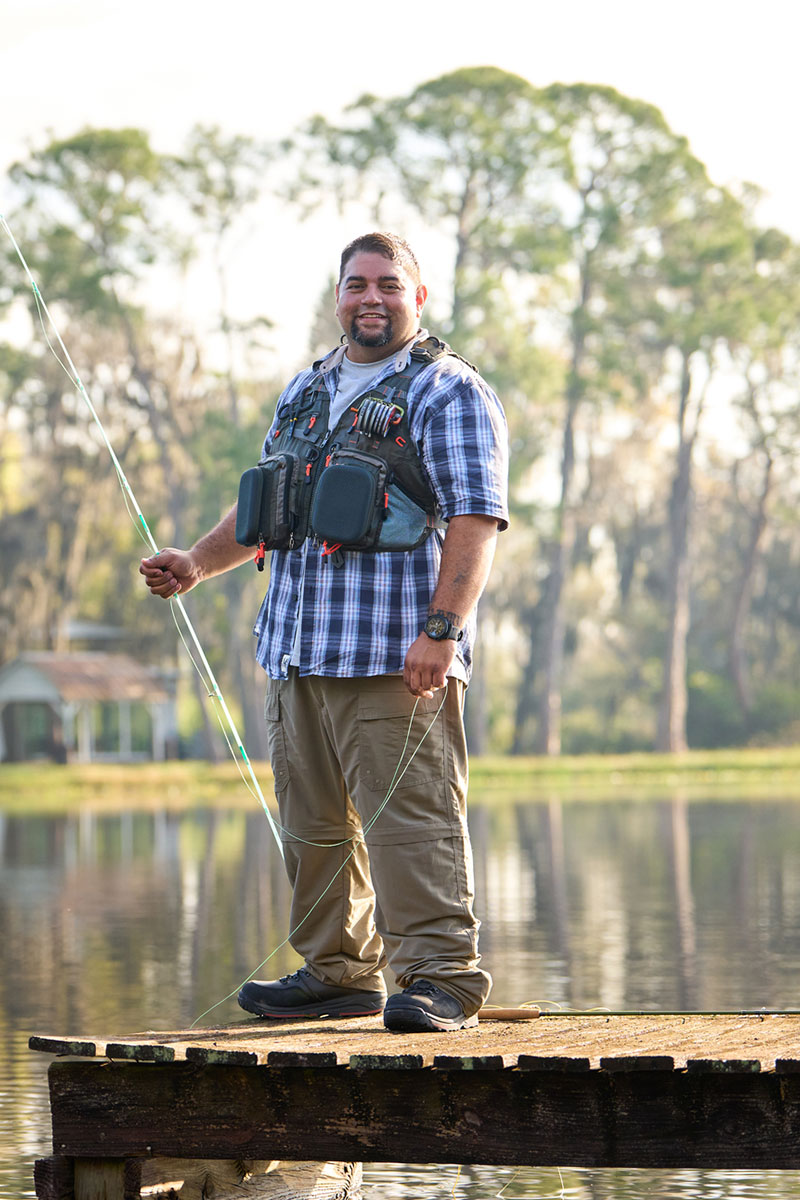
{"x":401,"y":359}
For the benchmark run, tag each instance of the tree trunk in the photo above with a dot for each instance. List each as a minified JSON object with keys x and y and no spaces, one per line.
{"x":737,"y":658}
{"x":548,"y":739}
{"x":525,"y":710}
{"x":671,"y":729}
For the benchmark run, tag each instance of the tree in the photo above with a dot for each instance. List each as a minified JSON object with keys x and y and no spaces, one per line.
{"x":704,"y":266}
{"x":766,"y":359}
{"x":89,"y":207}
{"x":622,"y":173}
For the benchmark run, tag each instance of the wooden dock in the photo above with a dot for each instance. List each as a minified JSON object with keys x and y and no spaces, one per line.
{"x":657,"y":1090}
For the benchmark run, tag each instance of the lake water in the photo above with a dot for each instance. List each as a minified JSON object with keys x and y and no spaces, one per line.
{"x":117,"y":923}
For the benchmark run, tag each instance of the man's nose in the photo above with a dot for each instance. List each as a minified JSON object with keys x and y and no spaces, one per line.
{"x":372,"y":295}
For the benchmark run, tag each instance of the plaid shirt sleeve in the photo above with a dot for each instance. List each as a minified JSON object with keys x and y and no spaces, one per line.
{"x":460,"y":427}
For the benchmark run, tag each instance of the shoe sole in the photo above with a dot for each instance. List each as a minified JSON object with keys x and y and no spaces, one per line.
{"x":413,"y":1020}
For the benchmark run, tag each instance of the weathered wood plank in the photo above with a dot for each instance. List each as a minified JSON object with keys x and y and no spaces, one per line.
{"x":140,"y":1051}
{"x":552,"y":1062}
{"x":64,"y":1045}
{"x":729,"y":1119}
{"x":230,"y":1058}
{"x":390,"y":1062}
{"x":642,"y":1062}
{"x":481,"y":1062}
{"x":107,"y":1179}
{"x":706,"y":1066}
{"x":299,"y":1058}
{"x":54,"y":1178}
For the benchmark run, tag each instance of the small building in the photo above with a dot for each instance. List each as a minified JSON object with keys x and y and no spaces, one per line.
{"x":86,"y":706}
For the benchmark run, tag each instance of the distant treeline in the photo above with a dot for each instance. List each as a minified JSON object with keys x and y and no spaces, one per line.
{"x":638,"y":322}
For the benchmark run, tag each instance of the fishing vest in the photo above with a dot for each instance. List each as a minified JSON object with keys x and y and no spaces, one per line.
{"x":360,"y":487}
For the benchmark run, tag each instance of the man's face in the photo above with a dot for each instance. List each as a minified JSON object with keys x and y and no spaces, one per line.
{"x":378,"y":306}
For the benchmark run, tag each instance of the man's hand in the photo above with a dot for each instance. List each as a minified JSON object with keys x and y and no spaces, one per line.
{"x":426,"y":666}
{"x":169,"y":572}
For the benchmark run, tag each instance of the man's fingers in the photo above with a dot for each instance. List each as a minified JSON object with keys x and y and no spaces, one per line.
{"x":161,"y":582}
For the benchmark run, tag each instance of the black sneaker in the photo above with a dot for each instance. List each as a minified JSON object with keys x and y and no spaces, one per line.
{"x":301,"y":995}
{"x":425,"y":1007}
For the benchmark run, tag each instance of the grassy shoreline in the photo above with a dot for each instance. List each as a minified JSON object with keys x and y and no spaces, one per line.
{"x":47,"y":788}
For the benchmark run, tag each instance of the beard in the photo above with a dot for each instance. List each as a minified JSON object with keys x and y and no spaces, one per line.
{"x":376,"y":337}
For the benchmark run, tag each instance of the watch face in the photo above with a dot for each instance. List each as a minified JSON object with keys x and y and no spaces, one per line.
{"x":437,"y":627}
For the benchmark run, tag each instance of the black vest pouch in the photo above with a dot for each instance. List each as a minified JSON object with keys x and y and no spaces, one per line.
{"x":268,"y":510}
{"x":350,"y":499}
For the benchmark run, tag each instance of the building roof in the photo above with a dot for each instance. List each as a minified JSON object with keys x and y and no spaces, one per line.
{"x":88,"y":676}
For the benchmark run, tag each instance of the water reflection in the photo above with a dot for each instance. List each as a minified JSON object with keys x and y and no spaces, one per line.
{"x":401,"y":1180}
{"x":657,"y":905}
{"x":116,"y":923}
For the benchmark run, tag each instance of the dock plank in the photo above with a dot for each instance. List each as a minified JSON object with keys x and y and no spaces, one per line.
{"x":601,"y":1041}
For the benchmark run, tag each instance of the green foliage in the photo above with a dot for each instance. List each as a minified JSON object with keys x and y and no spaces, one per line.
{"x":775,"y":716}
{"x":714,"y":717}
{"x":602,"y":283}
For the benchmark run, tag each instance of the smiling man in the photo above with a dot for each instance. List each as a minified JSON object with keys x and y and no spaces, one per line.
{"x":398,"y":450}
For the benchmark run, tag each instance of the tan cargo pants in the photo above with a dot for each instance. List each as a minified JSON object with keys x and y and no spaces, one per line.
{"x":401,"y":888}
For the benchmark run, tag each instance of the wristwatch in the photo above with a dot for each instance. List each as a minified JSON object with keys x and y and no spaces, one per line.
{"x":441,"y":628}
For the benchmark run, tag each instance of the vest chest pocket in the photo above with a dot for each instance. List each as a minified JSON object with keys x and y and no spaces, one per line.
{"x":269,"y":509}
{"x":350,"y":500}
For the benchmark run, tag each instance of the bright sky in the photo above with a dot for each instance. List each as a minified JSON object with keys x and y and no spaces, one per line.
{"x":723,"y":74}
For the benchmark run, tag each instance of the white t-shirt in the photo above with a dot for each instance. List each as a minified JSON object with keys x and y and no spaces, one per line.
{"x":354,"y":380}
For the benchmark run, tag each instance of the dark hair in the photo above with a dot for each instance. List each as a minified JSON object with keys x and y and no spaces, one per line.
{"x":390,"y":246}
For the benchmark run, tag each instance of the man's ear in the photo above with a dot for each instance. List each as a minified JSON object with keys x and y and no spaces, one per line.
{"x":422,"y":296}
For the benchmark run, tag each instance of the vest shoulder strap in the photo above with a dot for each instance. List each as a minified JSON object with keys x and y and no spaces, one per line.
{"x":433,"y":348}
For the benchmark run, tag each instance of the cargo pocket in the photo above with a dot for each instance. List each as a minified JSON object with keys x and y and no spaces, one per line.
{"x":276,"y":738}
{"x":386,"y":745}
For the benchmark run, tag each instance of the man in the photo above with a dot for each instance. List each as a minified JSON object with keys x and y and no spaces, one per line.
{"x":368,"y":652}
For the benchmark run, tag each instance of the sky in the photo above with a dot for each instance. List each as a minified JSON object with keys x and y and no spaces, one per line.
{"x":724,"y":75}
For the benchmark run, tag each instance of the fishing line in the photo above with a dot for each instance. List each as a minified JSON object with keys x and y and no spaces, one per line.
{"x":140,"y":522}
{"x":357,"y":839}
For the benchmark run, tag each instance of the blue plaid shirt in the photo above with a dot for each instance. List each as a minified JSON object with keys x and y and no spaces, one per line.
{"x":360,"y":618}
